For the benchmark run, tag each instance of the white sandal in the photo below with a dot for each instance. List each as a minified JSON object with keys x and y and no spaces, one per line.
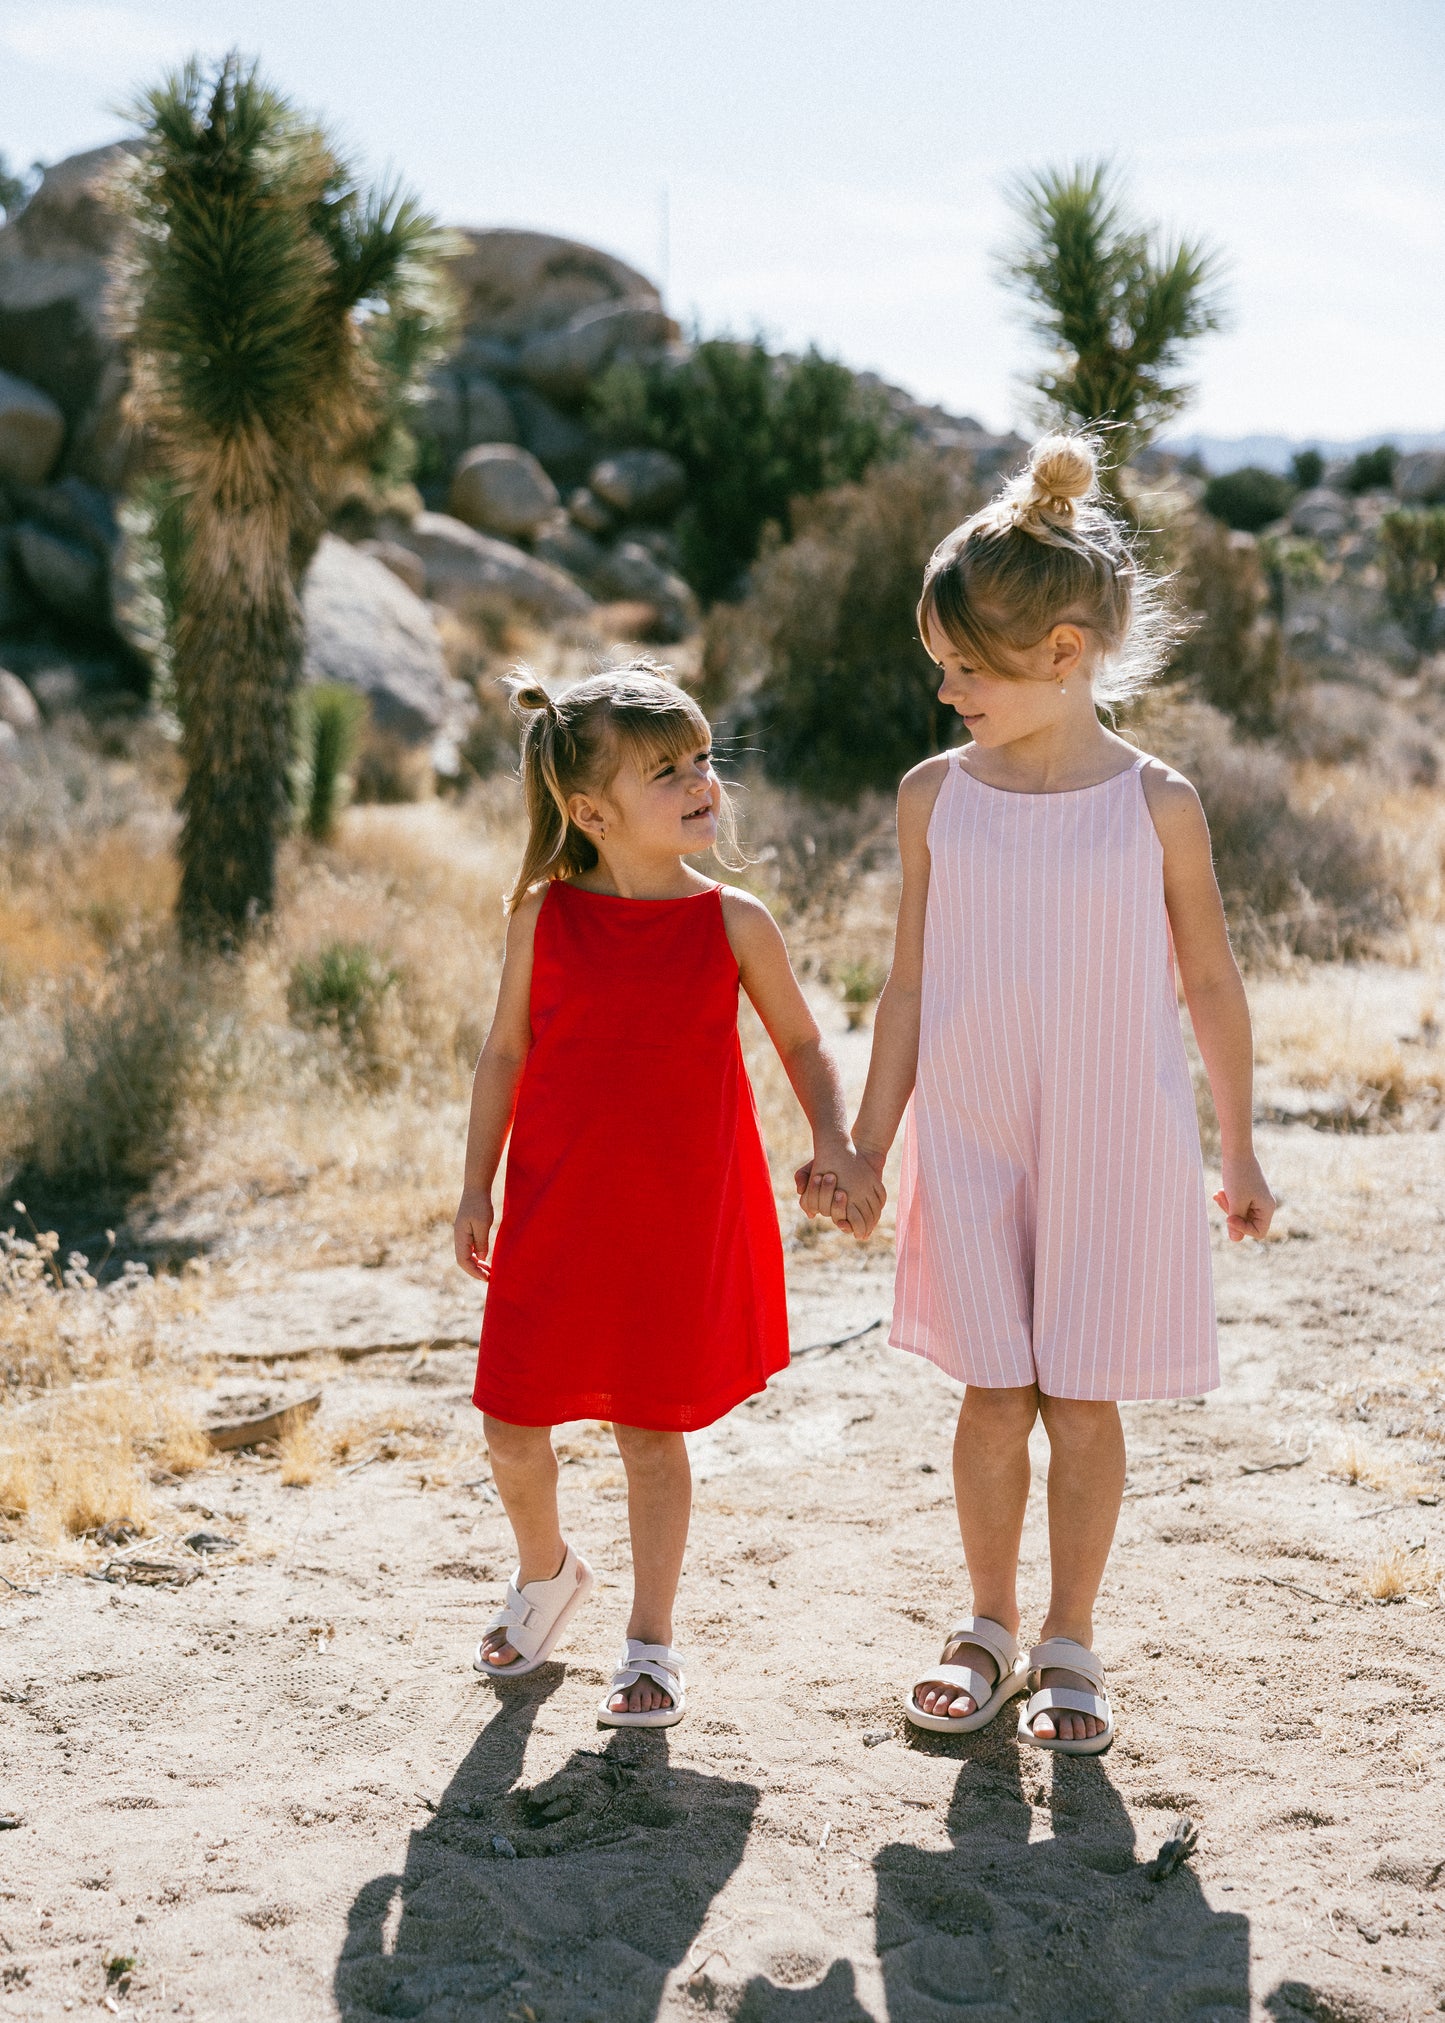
{"x":1063,"y":1654}
{"x":988,"y":1695}
{"x":535,"y":1616}
{"x":646,"y":1661}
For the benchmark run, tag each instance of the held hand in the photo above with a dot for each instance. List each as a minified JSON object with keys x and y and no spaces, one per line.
{"x":472,"y":1232}
{"x":1246,"y":1199}
{"x":816,"y":1182}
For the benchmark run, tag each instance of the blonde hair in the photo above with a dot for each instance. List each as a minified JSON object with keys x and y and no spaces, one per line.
{"x":1049,"y":551}
{"x":576,"y":745}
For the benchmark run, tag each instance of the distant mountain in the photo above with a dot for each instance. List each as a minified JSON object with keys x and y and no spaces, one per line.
{"x":1272,"y":453}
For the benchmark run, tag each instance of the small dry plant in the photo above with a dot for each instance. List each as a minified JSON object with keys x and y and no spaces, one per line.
{"x":1388,"y":1578}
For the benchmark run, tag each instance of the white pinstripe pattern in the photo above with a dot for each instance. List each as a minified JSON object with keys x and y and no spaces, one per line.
{"x":1051,"y":1217}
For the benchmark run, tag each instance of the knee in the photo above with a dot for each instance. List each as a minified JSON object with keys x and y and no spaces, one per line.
{"x":1079,"y":1422}
{"x":1003,"y":1414}
{"x":517,"y":1445}
{"x":644,"y":1448}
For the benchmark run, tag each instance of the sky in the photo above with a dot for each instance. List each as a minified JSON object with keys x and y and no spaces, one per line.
{"x":834,"y":171}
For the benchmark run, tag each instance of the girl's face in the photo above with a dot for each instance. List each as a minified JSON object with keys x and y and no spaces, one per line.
{"x":668,"y":807}
{"x":998,"y":709}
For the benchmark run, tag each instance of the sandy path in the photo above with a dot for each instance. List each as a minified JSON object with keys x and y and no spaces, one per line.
{"x":282,"y":1793}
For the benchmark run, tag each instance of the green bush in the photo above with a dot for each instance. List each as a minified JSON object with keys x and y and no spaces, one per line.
{"x":1412,"y":547}
{"x":1230,"y":656}
{"x":754,"y":432}
{"x":349,"y":990}
{"x":332,"y":719}
{"x":1307,"y":468}
{"x":1248,"y":499}
{"x":1372,"y":470}
{"x":844,"y":696}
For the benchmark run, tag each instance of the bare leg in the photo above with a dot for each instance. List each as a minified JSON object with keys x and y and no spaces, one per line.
{"x":524,"y":1469}
{"x":1086,"y":1488}
{"x":991,"y":1485}
{"x":659,"y":1507}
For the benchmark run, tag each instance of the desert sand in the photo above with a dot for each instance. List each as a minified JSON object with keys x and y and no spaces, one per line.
{"x":280,"y":1791}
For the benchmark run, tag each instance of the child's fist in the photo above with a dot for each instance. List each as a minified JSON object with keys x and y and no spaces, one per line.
{"x":1246,"y":1199}
{"x":472,"y":1232}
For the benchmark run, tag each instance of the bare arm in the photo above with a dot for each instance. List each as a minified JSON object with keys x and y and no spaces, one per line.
{"x":893,"y":1064}
{"x":767,"y":976}
{"x":1214,"y":992}
{"x":494,"y":1090}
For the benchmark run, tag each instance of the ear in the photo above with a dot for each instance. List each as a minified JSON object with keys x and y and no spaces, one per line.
{"x":585,"y":814}
{"x":1066,"y":651}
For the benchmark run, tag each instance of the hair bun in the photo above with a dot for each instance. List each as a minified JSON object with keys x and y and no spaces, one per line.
{"x":1063,"y":468}
{"x":529,"y":697}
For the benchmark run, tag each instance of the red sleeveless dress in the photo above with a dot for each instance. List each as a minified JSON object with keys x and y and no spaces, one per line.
{"x":637,"y":1273}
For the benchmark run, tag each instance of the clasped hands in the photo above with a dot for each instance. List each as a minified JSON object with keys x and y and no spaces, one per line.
{"x":845,"y":1185}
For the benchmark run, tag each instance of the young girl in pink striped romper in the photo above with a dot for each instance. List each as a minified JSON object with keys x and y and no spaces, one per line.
{"x":1053,"y":1250}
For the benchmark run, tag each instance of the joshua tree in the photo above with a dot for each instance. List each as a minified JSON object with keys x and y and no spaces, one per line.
{"x":1116,"y":303}
{"x":266,"y":290}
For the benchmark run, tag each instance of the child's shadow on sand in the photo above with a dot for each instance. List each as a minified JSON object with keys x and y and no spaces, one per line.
{"x":1068,"y":1927}
{"x":573,"y":1914}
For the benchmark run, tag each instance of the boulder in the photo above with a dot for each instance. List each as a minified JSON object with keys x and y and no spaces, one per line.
{"x":18,"y":707}
{"x":640,"y":484}
{"x":463,"y":406}
{"x":562,"y":363}
{"x":461,"y":564}
{"x":562,"y":543}
{"x":500,"y":489}
{"x":71,"y":581}
{"x":631,"y":574}
{"x":512,"y":284}
{"x":55,"y":323}
{"x":564,"y":448}
{"x":32,"y":428}
{"x":1420,"y":477}
{"x":590,"y":514}
{"x":1321,"y":515}
{"x":408,"y":568}
{"x":366,"y":629}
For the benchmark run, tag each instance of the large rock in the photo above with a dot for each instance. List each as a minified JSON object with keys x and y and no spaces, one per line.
{"x":462,"y":564}
{"x":564,"y":447}
{"x":71,"y":581}
{"x":500,"y":489}
{"x":18,"y":707}
{"x":402,"y":563}
{"x":564,"y":544}
{"x":629,"y":572}
{"x":464,"y":406}
{"x":640,"y":484}
{"x":366,"y":629}
{"x":513,"y":284}
{"x":32,"y":428}
{"x":1321,"y":515}
{"x":1420,"y":477}
{"x":55,"y":289}
{"x":562,"y":363}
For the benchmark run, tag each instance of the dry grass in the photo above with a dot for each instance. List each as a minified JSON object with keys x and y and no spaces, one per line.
{"x":302,"y":1455}
{"x":82,"y":1459}
{"x":1388,"y":1579}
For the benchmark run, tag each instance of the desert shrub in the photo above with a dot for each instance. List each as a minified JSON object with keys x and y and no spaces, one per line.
{"x":388,"y":770}
{"x":1248,"y":498}
{"x":1296,"y":880}
{"x":348,"y":989}
{"x":1412,"y":548}
{"x":1372,"y":470}
{"x":845,"y":696}
{"x":1307,"y":468}
{"x":331,"y":718}
{"x":1231,"y":655}
{"x":117,"y":1061}
{"x":753,"y":431}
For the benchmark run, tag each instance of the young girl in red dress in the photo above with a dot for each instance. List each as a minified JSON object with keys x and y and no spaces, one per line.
{"x":637,"y":1275}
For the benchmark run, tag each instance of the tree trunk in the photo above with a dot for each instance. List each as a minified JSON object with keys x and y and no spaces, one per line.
{"x":237,"y":664}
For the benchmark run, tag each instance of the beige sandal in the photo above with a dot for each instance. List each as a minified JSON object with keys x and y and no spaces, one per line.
{"x":1063,"y":1654}
{"x":988,"y":1695}
{"x":534,"y":1618}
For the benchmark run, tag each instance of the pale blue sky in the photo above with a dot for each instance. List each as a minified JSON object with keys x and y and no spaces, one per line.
{"x":833,"y":170}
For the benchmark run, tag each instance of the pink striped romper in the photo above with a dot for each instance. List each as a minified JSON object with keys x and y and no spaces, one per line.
{"x":1051,"y":1218}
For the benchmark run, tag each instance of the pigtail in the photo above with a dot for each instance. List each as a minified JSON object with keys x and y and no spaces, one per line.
{"x":554,"y":847}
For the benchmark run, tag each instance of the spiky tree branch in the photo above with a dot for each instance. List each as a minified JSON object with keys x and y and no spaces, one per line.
{"x":1116,"y":304}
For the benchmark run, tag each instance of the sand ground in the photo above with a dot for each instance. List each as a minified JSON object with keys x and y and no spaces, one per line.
{"x":279,"y":1791}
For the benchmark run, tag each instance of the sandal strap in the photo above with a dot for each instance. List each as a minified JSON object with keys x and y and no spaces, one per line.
{"x":1069,"y":1700}
{"x":989,"y":1636}
{"x":651,"y":1661}
{"x":528,"y":1613}
{"x":1062,"y":1654}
